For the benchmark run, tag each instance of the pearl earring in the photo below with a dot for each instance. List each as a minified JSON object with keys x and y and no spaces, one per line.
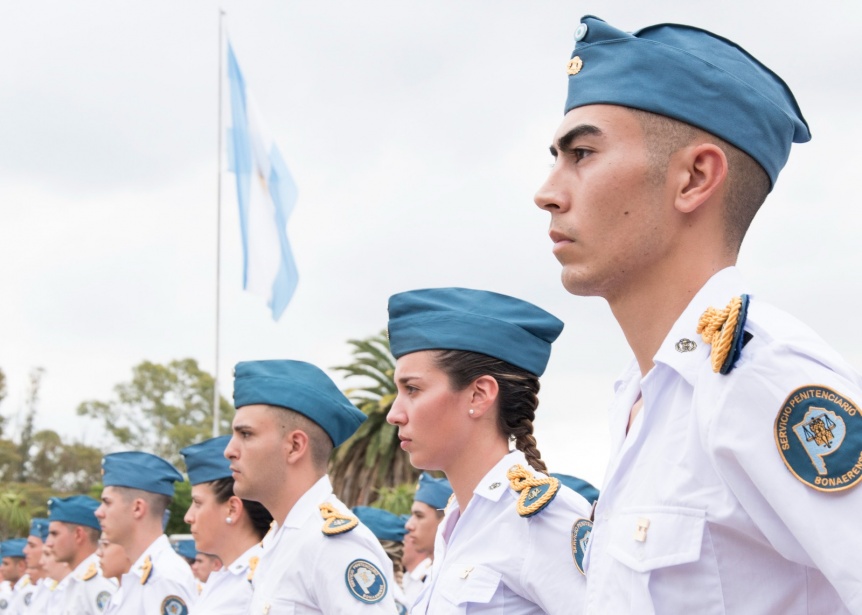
{"x":471,"y":411}
{"x":228,"y":520}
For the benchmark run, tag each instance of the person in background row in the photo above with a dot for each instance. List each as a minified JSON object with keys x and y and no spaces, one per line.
{"x":426,"y":513}
{"x":113,"y":560}
{"x":205,"y":564}
{"x":73,"y":537}
{"x":187,"y":550}
{"x":14,"y":569}
{"x":467,"y":370}
{"x":50,"y":597}
{"x":736,"y":436}
{"x":319,"y":559}
{"x":138,"y":488}
{"x":224,"y":525}
{"x":33,"y":558}
{"x":388,"y":528}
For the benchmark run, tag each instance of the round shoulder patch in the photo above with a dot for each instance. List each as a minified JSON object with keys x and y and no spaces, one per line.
{"x":102,"y":600}
{"x":365,"y":582}
{"x":819,"y":436}
{"x":581,"y":531}
{"x":174,"y":605}
{"x":3,"y":603}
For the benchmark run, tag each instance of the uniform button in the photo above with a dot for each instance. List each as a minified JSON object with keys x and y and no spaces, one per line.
{"x":581,"y":32}
{"x":493,"y":485}
{"x":685,"y":345}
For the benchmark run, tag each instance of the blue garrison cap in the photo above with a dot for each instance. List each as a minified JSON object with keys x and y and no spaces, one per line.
{"x":690,"y":75}
{"x":39,"y":527}
{"x":13,"y":547}
{"x":206,"y":462}
{"x":496,"y":325}
{"x":433,"y":491}
{"x":186,"y":548}
{"x":382,"y":523}
{"x":138,"y":470}
{"x":77,"y":509}
{"x":590,"y":493}
{"x":300,"y":387}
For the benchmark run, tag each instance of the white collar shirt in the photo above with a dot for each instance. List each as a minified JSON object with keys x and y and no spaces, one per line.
{"x":22,"y":595}
{"x":88,"y":592}
{"x":415,"y":579}
{"x":228,"y":590}
{"x":491,"y":560}
{"x":41,"y":596}
{"x":169,"y":587}
{"x":698,"y":512}
{"x":305,"y":571}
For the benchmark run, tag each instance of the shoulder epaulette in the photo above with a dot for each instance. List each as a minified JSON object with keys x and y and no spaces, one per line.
{"x":334,"y":522}
{"x":536,"y":493}
{"x":724,"y":330}
{"x":146,"y":569}
{"x":91,"y":572}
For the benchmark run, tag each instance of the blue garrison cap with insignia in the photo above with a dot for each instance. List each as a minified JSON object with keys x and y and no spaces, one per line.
{"x":492,"y":324}
{"x":137,"y":470}
{"x":39,"y":528}
{"x":301,"y":387}
{"x":206,"y":462}
{"x":690,"y":75}
{"x":433,"y":491}
{"x":589,"y":493}
{"x":13,"y":547}
{"x":186,"y":548}
{"x":382,"y":523}
{"x":77,"y":509}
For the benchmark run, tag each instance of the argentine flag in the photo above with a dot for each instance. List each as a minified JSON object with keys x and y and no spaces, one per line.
{"x":266,"y":194}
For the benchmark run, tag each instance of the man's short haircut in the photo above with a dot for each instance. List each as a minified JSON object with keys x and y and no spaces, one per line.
{"x":319,"y":442}
{"x":91,"y":533}
{"x":157,"y":502}
{"x":747,"y":182}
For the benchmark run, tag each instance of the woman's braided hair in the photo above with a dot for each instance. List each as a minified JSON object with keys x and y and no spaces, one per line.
{"x":517,"y":400}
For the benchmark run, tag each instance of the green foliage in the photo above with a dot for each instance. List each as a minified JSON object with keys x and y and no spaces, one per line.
{"x":14,"y":516}
{"x":161,"y":409}
{"x":64,"y":467}
{"x":397,"y":499}
{"x":372,"y":458}
{"x":179,"y":506}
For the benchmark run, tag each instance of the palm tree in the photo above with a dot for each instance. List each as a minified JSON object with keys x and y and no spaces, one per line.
{"x":14,"y":516}
{"x":372,"y":458}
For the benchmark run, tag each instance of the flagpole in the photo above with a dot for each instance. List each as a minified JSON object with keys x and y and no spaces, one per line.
{"x":218,"y":224}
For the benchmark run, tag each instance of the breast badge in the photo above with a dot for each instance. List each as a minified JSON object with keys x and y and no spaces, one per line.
{"x":174,"y":605}
{"x":365,"y":581}
{"x":581,"y":531}
{"x":819,"y":436}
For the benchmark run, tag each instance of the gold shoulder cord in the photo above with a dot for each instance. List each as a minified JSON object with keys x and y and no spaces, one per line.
{"x":535,"y":492}
{"x":334,"y":522}
{"x":722,"y":329}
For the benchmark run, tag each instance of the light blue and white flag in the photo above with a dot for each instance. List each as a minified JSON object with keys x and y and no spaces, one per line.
{"x":266,"y":194}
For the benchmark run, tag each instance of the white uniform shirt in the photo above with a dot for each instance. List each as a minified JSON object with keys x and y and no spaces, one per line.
{"x":22,"y":596}
{"x":228,"y":590}
{"x":39,"y":599}
{"x":88,"y":593}
{"x":5,"y":596}
{"x":698,"y":512}
{"x":414,"y":580}
{"x":169,"y":586}
{"x":492,"y":560}
{"x":57,"y":597}
{"x":305,"y":571}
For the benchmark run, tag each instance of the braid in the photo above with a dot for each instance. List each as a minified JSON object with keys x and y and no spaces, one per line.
{"x":517,"y":400}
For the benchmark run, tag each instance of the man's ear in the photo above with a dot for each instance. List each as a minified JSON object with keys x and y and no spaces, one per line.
{"x":701,"y":169}
{"x":296,"y":446}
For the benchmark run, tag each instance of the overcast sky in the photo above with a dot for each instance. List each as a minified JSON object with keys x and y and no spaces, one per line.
{"x":417,"y":134}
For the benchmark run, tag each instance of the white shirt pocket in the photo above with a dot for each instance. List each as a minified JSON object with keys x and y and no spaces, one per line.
{"x":467,"y":587}
{"x":648,"y":538}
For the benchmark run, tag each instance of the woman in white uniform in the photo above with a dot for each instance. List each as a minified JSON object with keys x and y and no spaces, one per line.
{"x":224,"y":525}
{"x":467,"y":372}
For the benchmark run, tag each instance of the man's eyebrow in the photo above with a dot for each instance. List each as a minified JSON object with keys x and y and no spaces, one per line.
{"x":575,"y":133}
